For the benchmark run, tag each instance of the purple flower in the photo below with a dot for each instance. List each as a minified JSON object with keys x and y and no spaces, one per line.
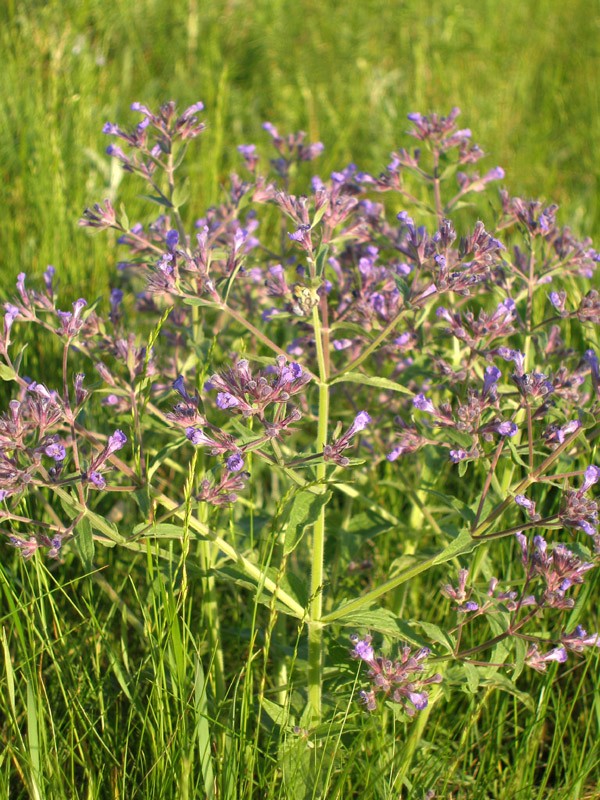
{"x":590,"y":358}
{"x":492,"y":376}
{"x":56,"y":451}
{"x":592,"y":474}
{"x":507,"y":428}
{"x":579,"y":639}
{"x":456,"y":456}
{"x":235,"y":462}
{"x":172,"y":239}
{"x":98,"y":480}
{"x":362,"y":648}
{"x":342,"y":344}
{"x":360,"y":423}
{"x":423,"y":404}
{"x":226,"y":400}
{"x":116,"y":442}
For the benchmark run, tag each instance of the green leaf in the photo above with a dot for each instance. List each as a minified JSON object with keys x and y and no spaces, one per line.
{"x":371,"y":380}
{"x":181,"y":194}
{"x":459,"y":437}
{"x":384,"y":621}
{"x":459,"y":546}
{"x":305,"y":511}
{"x":7,"y":373}
{"x":319,"y":215}
{"x":161,"y":201}
{"x":436,"y":634}
{"x":278,"y":714}
{"x":84,"y":543}
{"x":322,"y":254}
{"x":472,"y":676}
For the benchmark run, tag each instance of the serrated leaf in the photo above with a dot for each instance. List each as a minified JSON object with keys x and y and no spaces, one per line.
{"x":459,"y":546}
{"x":84,"y":543}
{"x":435,"y":634}
{"x":305,"y":511}
{"x":384,"y":621}
{"x":472,"y":676}
{"x":501,"y":681}
{"x":371,"y":380}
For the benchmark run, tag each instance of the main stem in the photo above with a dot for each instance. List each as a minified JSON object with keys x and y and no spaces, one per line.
{"x":315,"y":609}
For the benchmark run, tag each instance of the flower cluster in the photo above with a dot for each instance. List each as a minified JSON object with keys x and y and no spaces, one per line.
{"x":400,"y":681}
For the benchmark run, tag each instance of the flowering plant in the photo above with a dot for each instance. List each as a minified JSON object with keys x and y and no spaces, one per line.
{"x":289,"y":362}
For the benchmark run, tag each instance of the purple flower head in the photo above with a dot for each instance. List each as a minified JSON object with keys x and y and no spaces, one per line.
{"x":362,"y":648}
{"x":12,"y":312}
{"x":116,"y":442}
{"x":342,"y":344}
{"x":191,"y":110}
{"x":458,"y":455}
{"x":226,"y":400}
{"x":507,"y":428}
{"x":247,"y":150}
{"x":361,"y":421}
{"x":235,"y":462}
{"x":179,"y":386}
{"x":172,"y":238}
{"x":592,"y":474}
{"x":141,"y":108}
{"x":558,"y":300}
{"x":98,"y":480}
{"x":591,"y":358}
{"x":270,"y":128}
{"x":111,"y":129}
{"x":524,"y":501}
{"x":56,"y":451}
{"x":21,"y":287}
{"x":516,"y":356}
{"x":539,"y":662}
{"x":579,"y":639}
{"x":491,"y":378}
{"x":49,"y":277}
{"x":421,"y":403}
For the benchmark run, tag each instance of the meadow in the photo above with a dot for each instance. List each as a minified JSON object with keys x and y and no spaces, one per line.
{"x":155,"y":658}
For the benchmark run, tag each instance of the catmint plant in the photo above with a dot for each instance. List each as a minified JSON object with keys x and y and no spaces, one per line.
{"x":381,"y":330}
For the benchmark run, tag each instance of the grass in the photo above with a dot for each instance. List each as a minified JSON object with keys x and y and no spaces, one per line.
{"x":104,"y":688}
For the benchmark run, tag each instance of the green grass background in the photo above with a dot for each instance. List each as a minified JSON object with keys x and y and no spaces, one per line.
{"x":526,"y":75}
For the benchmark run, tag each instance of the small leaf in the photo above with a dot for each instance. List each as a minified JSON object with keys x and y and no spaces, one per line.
{"x":436,"y":634}
{"x":305,"y":511}
{"x":161,"y":201}
{"x":472,"y":676}
{"x":84,"y":543}
{"x":7,"y":373}
{"x":278,"y":714}
{"x":371,"y":380}
{"x":181,"y":194}
{"x":459,"y":546}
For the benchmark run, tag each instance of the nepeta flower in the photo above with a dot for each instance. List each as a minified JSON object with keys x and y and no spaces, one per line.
{"x":56,"y":451}
{"x":539,"y":661}
{"x":235,"y":462}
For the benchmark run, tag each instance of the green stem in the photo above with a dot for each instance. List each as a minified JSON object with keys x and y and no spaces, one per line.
{"x":315,"y":609}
